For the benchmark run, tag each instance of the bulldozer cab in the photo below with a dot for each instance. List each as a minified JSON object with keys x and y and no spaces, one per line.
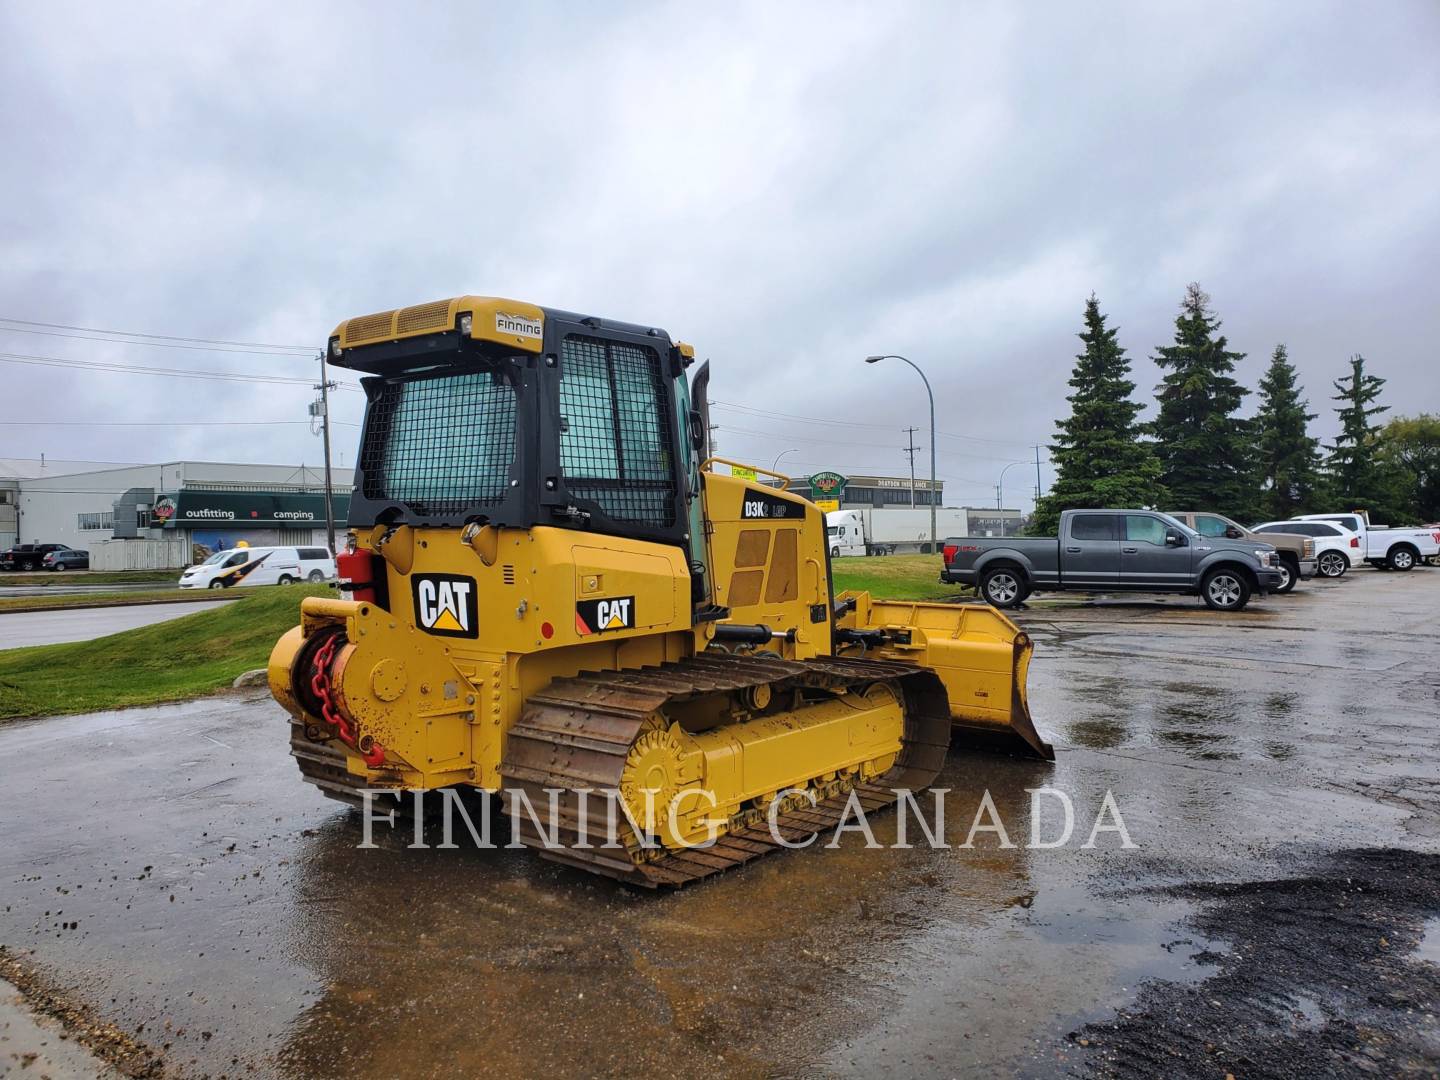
{"x":484,"y":411}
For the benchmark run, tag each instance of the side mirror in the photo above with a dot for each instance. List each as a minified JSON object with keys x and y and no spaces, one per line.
{"x":697,"y":430}
{"x":1174,"y":539}
{"x":1232,"y":533}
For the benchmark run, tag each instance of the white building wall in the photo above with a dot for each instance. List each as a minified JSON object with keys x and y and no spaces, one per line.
{"x":50,"y":507}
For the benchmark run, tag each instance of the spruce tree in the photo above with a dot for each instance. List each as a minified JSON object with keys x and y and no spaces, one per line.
{"x":1353,"y":467}
{"x":1205,"y":450}
{"x":1099,"y":456}
{"x":1289,"y":458}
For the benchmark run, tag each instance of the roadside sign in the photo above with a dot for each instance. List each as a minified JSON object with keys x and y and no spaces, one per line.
{"x":828,"y":485}
{"x":828,"y":505}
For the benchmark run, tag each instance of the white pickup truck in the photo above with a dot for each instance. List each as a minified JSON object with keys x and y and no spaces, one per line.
{"x":1385,"y":548}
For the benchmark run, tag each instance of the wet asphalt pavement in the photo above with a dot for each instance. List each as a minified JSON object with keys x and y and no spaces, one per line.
{"x":74,"y":585}
{"x":166,"y":870}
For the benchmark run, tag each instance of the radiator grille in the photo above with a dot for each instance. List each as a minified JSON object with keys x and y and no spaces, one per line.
{"x":434,"y":316}
{"x":440,"y":445}
{"x":369,"y":326}
{"x":616,"y":430}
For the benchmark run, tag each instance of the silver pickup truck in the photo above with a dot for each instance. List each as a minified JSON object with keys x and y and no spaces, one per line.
{"x":1114,"y":551}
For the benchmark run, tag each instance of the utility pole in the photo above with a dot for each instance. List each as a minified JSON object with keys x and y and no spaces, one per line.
{"x":1038,"y":491}
{"x":325,"y":386}
{"x":910,"y":450}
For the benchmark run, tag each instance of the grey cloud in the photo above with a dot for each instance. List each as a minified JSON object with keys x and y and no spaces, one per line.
{"x":790,"y":187}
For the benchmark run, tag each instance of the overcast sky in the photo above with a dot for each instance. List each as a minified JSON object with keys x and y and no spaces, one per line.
{"x":790,"y":187}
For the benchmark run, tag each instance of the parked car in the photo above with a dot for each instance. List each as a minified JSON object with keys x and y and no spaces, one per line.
{"x":27,"y":556}
{"x":1296,"y":552}
{"x":259,"y":566}
{"x":1336,"y":547}
{"x":316,"y":564}
{"x":66,"y":559}
{"x":1114,"y":551}
{"x":1385,"y":548}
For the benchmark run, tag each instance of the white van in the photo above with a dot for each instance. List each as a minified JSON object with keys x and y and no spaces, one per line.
{"x":259,"y":566}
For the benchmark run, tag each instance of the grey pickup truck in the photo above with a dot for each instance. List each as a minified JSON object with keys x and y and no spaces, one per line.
{"x":1114,"y":551}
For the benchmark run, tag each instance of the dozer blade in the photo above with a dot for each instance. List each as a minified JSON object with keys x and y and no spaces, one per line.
{"x":981,"y":656}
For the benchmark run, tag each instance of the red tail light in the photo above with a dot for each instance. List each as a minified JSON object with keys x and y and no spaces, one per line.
{"x":950,"y":551}
{"x":1355,"y":541}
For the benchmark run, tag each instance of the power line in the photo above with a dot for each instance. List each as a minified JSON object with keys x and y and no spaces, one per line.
{"x":849,"y":442}
{"x":174,"y":373}
{"x":159,"y":337}
{"x":832,"y":422}
{"x":159,"y":423}
{"x":149,"y":344}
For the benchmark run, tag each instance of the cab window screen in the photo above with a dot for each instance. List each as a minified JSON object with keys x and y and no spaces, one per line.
{"x":1093,"y":527}
{"x":615,"y":432}
{"x":440,"y":445}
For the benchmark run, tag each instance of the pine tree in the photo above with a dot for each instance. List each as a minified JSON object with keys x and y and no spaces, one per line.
{"x":1205,"y":450}
{"x":1289,"y":458}
{"x":1352,"y":462}
{"x":1099,"y":456}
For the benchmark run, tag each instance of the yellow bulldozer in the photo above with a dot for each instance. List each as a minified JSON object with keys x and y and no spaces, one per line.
{"x":551,"y":592}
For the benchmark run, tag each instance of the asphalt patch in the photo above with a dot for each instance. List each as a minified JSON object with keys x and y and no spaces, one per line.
{"x":1323,"y":974}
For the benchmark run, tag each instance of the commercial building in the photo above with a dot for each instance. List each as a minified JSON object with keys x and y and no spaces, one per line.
{"x":855,"y":492}
{"x":166,"y":515}
{"x":832,"y":491}
{"x":40,"y":471}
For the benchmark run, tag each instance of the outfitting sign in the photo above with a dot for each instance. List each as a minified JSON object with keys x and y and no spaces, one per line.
{"x":192,"y":508}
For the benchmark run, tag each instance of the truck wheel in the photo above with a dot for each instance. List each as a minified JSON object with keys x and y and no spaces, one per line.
{"x":1332,"y":564}
{"x":1225,"y":589}
{"x":1289,"y":574}
{"x":316,"y":577}
{"x":217,"y":584}
{"x":834,"y":553}
{"x":1401,"y":558}
{"x":286,"y":579}
{"x":1004,"y":587}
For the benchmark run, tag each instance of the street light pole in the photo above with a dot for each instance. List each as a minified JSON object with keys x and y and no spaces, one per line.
{"x":999,"y":487}
{"x":934,"y":491}
{"x":775,"y":465}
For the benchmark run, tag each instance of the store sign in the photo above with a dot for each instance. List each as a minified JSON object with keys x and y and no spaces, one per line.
{"x":828,"y":505}
{"x":829,"y":485}
{"x":190,"y":509}
{"x":892,"y":482}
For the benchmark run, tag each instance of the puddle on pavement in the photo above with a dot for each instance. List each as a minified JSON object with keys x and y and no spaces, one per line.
{"x":1428,"y":951}
{"x":235,"y":923}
